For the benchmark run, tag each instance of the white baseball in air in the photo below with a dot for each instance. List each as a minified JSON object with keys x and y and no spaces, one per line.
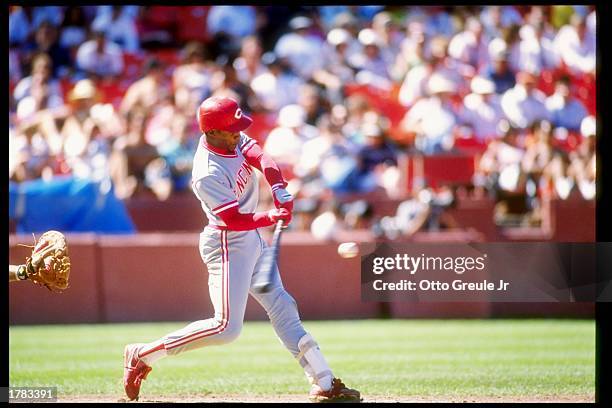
{"x":348,"y":249}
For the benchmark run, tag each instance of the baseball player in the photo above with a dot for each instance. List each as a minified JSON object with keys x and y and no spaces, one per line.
{"x":223,"y":179}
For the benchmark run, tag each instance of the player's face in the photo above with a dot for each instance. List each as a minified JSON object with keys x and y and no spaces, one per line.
{"x":224,"y":139}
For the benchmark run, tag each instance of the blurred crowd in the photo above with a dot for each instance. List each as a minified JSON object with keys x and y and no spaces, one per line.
{"x":513,"y":85}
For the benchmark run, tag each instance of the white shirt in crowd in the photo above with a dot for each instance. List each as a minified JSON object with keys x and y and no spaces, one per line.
{"x":284,"y":145}
{"x":565,"y":113}
{"x":336,"y":64}
{"x":432,"y":121}
{"x":243,"y":74}
{"x":483,"y":115}
{"x":578,"y":55}
{"x":109,"y":62}
{"x":23,"y":88}
{"x":237,"y":21}
{"x":414,"y":86}
{"x":534,"y":54}
{"x":522,"y":109}
{"x":276,"y":91}
{"x":121,"y":31}
{"x":465,"y":47}
{"x":302,"y":51}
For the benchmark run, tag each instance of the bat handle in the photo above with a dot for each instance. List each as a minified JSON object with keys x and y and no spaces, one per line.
{"x":276,"y":236}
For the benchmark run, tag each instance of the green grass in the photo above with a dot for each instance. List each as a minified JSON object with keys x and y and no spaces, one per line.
{"x":395,"y":358}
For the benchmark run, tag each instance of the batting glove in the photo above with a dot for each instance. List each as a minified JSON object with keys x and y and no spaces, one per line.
{"x":278,"y":214}
{"x":283,"y":199}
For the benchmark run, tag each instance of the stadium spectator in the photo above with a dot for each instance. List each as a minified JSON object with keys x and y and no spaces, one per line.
{"x":336,"y":70}
{"x":15,"y":73}
{"x":433,"y":119}
{"x":414,"y":86}
{"x":499,"y":169}
{"x":373,"y":64}
{"x":524,"y":103}
{"x":536,"y":49}
{"x":136,"y":166}
{"x":565,"y":110}
{"x":538,"y":153}
{"x":46,"y":41}
{"x":42,"y":68}
{"x":224,"y":83}
{"x":284,"y":143}
{"x":575,"y":44}
{"x":498,"y":69}
{"x":19,"y":24}
{"x":227,"y":25}
{"x":329,"y":224}
{"x":390,"y":37}
{"x":497,"y":18}
{"x":191,"y":79}
{"x":584,"y":160}
{"x":301,"y":49}
{"x":411,"y":216}
{"x":40,"y":99}
{"x":411,"y":53}
{"x":25,"y":20}
{"x":560,"y":176}
{"x":99,"y":57}
{"x":313,"y":103}
{"x":348,"y":22}
{"x":119,"y":27}
{"x":144,"y":94}
{"x":177,"y":150}
{"x":481,"y":109}
{"x":276,"y":87}
{"x":87,"y":120}
{"x":357,"y":107}
{"x":327,"y":159}
{"x":436,"y":20}
{"x":156,"y":26}
{"x":470,"y":46}
{"x":161,"y":120}
{"x":30,"y":156}
{"x":373,"y":159}
{"x":248,"y":65}
{"x":73,"y":29}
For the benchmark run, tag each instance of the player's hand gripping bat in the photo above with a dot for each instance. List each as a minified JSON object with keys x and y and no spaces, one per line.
{"x":263,"y":276}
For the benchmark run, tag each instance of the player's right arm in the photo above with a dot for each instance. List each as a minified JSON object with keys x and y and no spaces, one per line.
{"x":222,"y":202}
{"x":257,"y":158}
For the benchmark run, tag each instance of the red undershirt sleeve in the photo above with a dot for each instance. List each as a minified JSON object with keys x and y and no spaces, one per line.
{"x":236,"y":221}
{"x":256,"y":157}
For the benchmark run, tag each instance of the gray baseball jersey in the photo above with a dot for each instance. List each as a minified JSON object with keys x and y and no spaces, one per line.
{"x":222,"y":181}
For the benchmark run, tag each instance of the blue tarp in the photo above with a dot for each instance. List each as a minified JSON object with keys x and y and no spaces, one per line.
{"x":68,"y":204}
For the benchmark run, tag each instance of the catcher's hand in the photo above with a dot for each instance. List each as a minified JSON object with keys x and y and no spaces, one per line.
{"x":49,"y":264}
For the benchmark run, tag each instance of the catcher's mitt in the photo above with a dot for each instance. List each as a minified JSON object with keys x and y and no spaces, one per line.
{"x":49,"y":264}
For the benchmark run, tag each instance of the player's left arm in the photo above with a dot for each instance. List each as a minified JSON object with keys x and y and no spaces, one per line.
{"x":17,"y":273}
{"x":257,"y":158}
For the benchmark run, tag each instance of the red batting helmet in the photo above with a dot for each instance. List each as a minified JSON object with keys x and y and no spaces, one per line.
{"x":219,"y":113}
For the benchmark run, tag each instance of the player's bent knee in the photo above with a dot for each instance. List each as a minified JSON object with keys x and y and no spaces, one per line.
{"x":231,"y":332}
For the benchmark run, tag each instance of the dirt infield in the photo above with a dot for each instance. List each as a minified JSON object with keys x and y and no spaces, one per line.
{"x":303,"y":398}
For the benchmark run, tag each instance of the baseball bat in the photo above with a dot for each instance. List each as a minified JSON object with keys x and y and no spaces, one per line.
{"x":263,"y":277}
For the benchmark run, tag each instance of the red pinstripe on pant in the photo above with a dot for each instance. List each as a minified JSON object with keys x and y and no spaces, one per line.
{"x":225,"y":300}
